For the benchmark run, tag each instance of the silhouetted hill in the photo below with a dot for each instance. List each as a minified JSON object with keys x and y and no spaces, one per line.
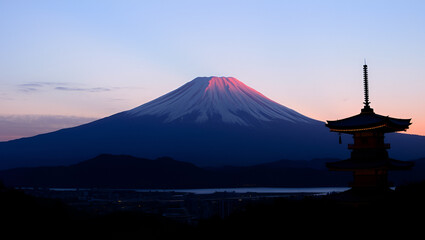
{"x":319,"y":163}
{"x":111,"y":171}
{"x":284,"y":173}
{"x":416,"y":174}
{"x":122,"y":171}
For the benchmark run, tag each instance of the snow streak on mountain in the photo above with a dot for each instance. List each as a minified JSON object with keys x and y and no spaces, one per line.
{"x":225,"y":97}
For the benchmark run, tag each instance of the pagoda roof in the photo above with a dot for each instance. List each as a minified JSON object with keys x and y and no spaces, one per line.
{"x":350,"y":164}
{"x":367,"y":120}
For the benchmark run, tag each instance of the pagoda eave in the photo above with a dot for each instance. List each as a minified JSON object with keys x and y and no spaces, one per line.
{"x":385,"y":126}
{"x":368,"y":121}
{"x":381,"y":128}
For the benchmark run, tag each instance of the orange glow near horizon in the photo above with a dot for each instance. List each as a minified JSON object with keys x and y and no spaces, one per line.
{"x":417,"y":128}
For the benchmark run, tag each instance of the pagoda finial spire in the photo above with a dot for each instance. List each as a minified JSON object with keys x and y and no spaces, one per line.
{"x":366,"y":88}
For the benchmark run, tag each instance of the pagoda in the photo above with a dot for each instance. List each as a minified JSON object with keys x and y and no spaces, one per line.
{"x":369,"y":159}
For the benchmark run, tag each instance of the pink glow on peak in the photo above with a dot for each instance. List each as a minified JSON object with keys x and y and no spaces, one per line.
{"x":231,"y":84}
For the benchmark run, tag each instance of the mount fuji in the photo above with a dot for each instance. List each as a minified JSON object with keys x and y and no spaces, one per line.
{"x":209,"y":121}
{"x":222,"y":99}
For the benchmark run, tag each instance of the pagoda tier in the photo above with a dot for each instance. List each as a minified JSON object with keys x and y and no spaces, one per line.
{"x":369,"y":174}
{"x":353,"y":165}
{"x":367,"y":120}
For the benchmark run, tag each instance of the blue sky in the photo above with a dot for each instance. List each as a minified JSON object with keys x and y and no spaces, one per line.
{"x":91,"y":59}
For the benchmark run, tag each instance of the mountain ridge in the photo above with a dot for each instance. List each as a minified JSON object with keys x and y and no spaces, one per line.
{"x":258,"y":130}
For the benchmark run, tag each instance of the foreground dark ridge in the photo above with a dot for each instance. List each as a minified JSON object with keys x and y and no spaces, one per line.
{"x":403,"y":207}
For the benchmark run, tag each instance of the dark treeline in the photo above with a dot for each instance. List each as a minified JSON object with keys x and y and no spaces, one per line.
{"x":122,"y":171}
{"x":128,"y":172}
{"x":401,"y":210}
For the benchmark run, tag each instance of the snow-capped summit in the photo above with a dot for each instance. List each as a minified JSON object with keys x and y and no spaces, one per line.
{"x":224,"y":97}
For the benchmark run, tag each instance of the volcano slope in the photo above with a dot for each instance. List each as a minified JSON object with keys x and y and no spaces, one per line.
{"x":209,"y":121}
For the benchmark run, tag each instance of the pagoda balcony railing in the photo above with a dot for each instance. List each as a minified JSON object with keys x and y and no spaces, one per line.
{"x":354,"y":146}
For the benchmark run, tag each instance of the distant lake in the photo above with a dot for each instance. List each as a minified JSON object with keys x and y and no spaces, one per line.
{"x":318,"y":190}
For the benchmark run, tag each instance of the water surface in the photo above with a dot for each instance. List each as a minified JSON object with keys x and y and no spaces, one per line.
{"x":319,"y":190}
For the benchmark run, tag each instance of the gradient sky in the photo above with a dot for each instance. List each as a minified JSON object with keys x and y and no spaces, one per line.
{"x":83,"y":59}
